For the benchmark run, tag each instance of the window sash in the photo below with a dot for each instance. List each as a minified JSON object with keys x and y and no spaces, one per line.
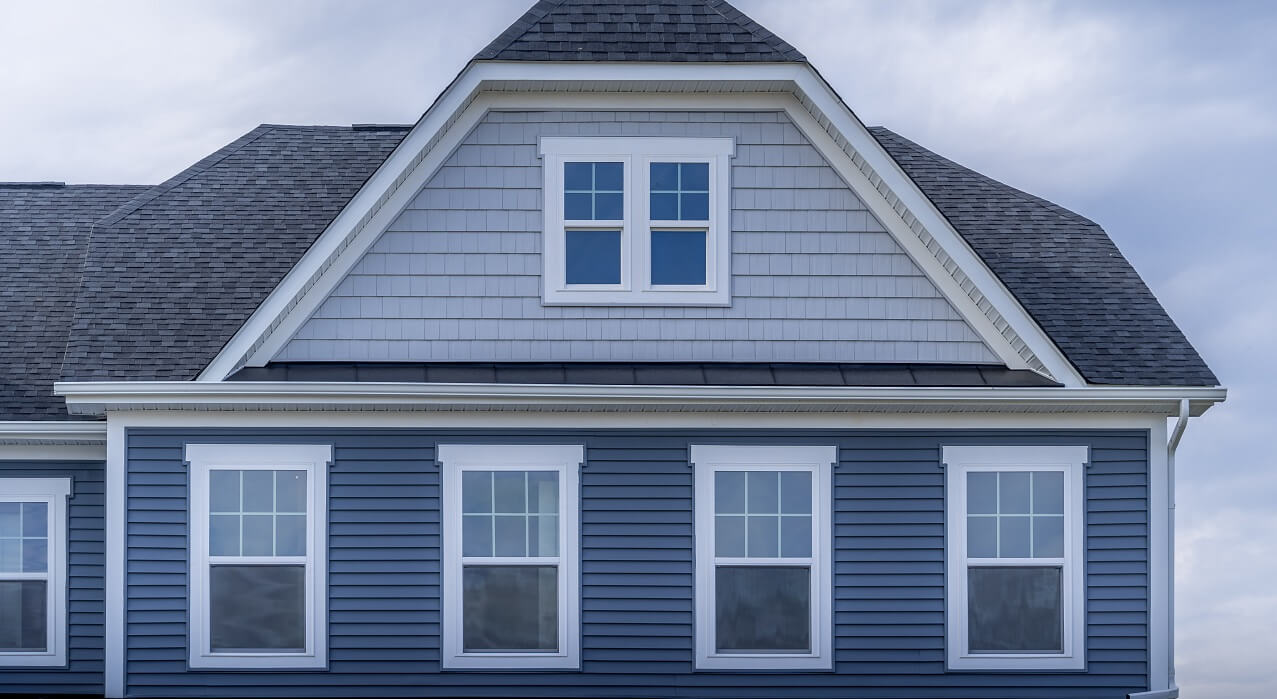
{"x":53,"y":492}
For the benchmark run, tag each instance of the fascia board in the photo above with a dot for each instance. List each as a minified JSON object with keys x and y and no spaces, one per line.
{"x":52,"y":432}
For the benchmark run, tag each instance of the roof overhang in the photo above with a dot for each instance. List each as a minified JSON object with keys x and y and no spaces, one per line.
{"x":52,"y":440}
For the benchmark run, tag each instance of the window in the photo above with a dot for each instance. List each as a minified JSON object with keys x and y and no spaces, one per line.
{"x":1015,"y":571}
{"x":510,"y":560}
{"x":636,"y":221}
{"x":763,"y":547}
{"x":259,"y":522}
{"x":33,"y":541}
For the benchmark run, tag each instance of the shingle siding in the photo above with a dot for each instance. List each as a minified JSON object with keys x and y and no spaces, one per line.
{"x":637,"y":569}
{"x":815,"y":277}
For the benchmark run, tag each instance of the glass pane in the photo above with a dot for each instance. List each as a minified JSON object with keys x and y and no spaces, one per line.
{"x":259,"y":535}
{"x":509,"y":492}
{"x":729,"y":536}
{"x":259,"y":491}
{"x":512,"y":536}
{"x":1048,"y":537}
{"x":608,"y":176}
{"x":10,"y":519}
{"x":678,"y":257}
{"x":694,"y":207}
{"x":223,"y":535}
{"x":795,"y":492}
{"x":1013,"y":492}
{"x":729,"y":492}
{"x":223,"y":491}
{"x":982,"y":537}
{"x":543,"y":535}
{"x":664,"y":177}
{"x":578,"y":176}
{"x":762,"y":538}
{"x":290,"y":491}
{"x":543,"y":492}
{"x":762,"y":492}
{"x":608,"y":207}
{"x":23,"y":615}
{"x":1013,"y":537}
{"x":10,"y":555}
{"x":476,"y":491}
{"x":593,"y":257}
{"x":258,"y":608}
{"x":763,"y":609}
{"x":35,"y":555}
{"x":35,"y":519}
{"x":694,"y":177}
{"x":664,"y":207}
{"x":982,"y":493}
{"x":476,"y":535}
{"x":290,"y":535}
{"x":1048,"y":492}
{"x":510,"y":608}
{"x":1015,"y":610}
{"x":578,"y":206}
{"x":795,"y":536}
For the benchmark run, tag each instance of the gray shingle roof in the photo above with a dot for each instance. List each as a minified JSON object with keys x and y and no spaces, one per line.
{"x":661,"y":31}
{"x":44,"y":228}
{"x":1064,"y":269}
{"x":169,"y":278}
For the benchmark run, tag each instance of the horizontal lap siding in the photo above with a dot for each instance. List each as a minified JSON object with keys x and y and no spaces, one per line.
{"x":637,"y":571}
{"x":85,"y":610}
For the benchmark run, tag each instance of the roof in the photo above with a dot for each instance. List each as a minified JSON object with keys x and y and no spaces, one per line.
{"x":661,"y":31}
{"x":169,"y":278}
{"x":44,"y":228}
{"x":1063,"y":269}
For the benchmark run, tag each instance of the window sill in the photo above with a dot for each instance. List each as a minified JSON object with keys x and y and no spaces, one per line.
{"x":597,"y":297}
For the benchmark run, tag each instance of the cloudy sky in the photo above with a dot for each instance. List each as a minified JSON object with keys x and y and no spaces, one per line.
{"x":1156,"y":119}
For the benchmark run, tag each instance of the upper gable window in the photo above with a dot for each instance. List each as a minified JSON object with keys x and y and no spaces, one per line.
{"x":636,"y":221}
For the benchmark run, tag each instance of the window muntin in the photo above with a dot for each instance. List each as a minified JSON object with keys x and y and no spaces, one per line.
{"x":593,"y":191}
{"x":510,"y":556}
{"x":33,"y":534}
{"x":763,"y":585}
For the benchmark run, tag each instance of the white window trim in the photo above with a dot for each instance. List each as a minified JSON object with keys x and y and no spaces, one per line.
{"x":1071,"y":460}
{"x":566,"y":459}
{"x":314,"y":459}
{"x":54,"y":492}
{"x":709,"y":459}
{"x":636,"y":153}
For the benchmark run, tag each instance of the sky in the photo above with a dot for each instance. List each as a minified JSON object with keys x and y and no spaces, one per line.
{"x":1157,"y":119}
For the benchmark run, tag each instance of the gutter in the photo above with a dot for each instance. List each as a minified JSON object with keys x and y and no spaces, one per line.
{"x":52,"y":432}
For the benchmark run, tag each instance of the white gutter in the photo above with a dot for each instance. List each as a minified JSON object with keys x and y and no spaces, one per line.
{"x":52,"y":432}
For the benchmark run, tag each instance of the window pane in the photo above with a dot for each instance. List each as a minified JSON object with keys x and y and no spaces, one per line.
{"x":763,"y":609}
{"x":593,"y":257}
{"x":694,"y":177}
{"x":664,"y":207}
{"x":508,"y":491}
{"x":762,"y":536}
{"x":290,"y":491}
{"x":476,"y":535}
{"x":223,"y":535}
{"x":512,"y":536}
{"x":35,"y":519}
{"x":543,"y":492}
{"x":795,"y":492}
{"x":1013,"y":492}
{"x":259,"y":535}
{"x":729,"y":492}
{"x":982,"y":537}
{"x":578,"y":176}
{"x":678,"y":257}
{"x":223,"y":490}
{"x":290,"y":535}
{"x":762,"y":492}
{"x":982,"y":493}
{"x":608,"y":207}
{"x":1015,"y":610}
{"x":608,"y":176}
{"x":694,"y":207}
{"x":795,"y":536}
{"x":664,"y":177}
{"x":259,"y":491}
{"x":35,"y":555}
{"x":1013,"y":537}
{"x":543,"y":535}
{"x":10,"y":555}
{"x":1048,"y":537}
{"x":510,"y":608}
{"x":476,"y":491}
{"x":729,"y":536}
{"x":10,"y":519}
{"x":23,"y":615}
{"x":1048,"y":492}
{"x":578,"y":206}
{"x":257,"y":608}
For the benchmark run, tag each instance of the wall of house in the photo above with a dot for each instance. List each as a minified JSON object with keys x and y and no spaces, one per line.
{"x":815,"y":277}
{"x":86,"y":614}
{"x":637,"y":569}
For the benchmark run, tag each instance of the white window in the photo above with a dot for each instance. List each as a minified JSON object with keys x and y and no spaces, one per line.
{"x":33,"y":541}
{"x":510,"y":559}
{"x":259,"y":522}
{"x":636,"y":221}
{"x":1016,"y":591}
{"x":763,"y":548}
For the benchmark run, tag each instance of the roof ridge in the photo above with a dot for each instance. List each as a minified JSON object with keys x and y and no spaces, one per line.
{"x":517,"y":28}
{"x":732,"y":14}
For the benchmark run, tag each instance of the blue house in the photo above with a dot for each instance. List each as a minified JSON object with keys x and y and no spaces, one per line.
{"x":637,"y":367}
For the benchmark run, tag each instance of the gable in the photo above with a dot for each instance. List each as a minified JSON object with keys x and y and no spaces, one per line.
{"x":815,"y":276}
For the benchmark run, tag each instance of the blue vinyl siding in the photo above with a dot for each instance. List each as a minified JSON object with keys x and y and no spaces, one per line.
{"x":85,"y":610}
{"x":637,"y":570}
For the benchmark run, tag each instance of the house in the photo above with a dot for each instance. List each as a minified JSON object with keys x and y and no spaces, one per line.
{"x":638,"y":367}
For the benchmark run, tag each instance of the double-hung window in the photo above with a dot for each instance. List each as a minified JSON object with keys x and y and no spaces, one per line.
{"x":33,"y":541}
{"x":510,"y":561}
{"x":1015,"y":557}
{"x":636,"y":221}
{"x":259,"y":550}
{"x":763,"y":548}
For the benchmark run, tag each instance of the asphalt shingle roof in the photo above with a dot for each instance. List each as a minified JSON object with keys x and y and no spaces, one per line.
{"x":1064,"y":269}
{"x":661,"y":31}
{"x":44,"y":229}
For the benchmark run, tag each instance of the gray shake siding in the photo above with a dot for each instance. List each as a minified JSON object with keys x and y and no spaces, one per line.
{"x":85,"y":611}
{"x":815,"y":277}
{"x":637,"y":569}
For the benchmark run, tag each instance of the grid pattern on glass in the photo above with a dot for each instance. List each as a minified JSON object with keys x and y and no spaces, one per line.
{"x":592,"y":257}
{"x":679,"y":192}
{"x":509,"y":514}
{"x":593,"y":191}
{"x":257,"y":513}
{"x":1015,"y":514}
{"x":762,"y":514}
{"x":24,"y":537}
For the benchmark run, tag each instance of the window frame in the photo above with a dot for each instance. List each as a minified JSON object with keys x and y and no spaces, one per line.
{"x":636,"y":153}
{"x":54,"y":492}
{"x":707,"y":460}
{"x":312,"y":458}
{"x":564,"y":459}
{"x":1071,"y":461}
